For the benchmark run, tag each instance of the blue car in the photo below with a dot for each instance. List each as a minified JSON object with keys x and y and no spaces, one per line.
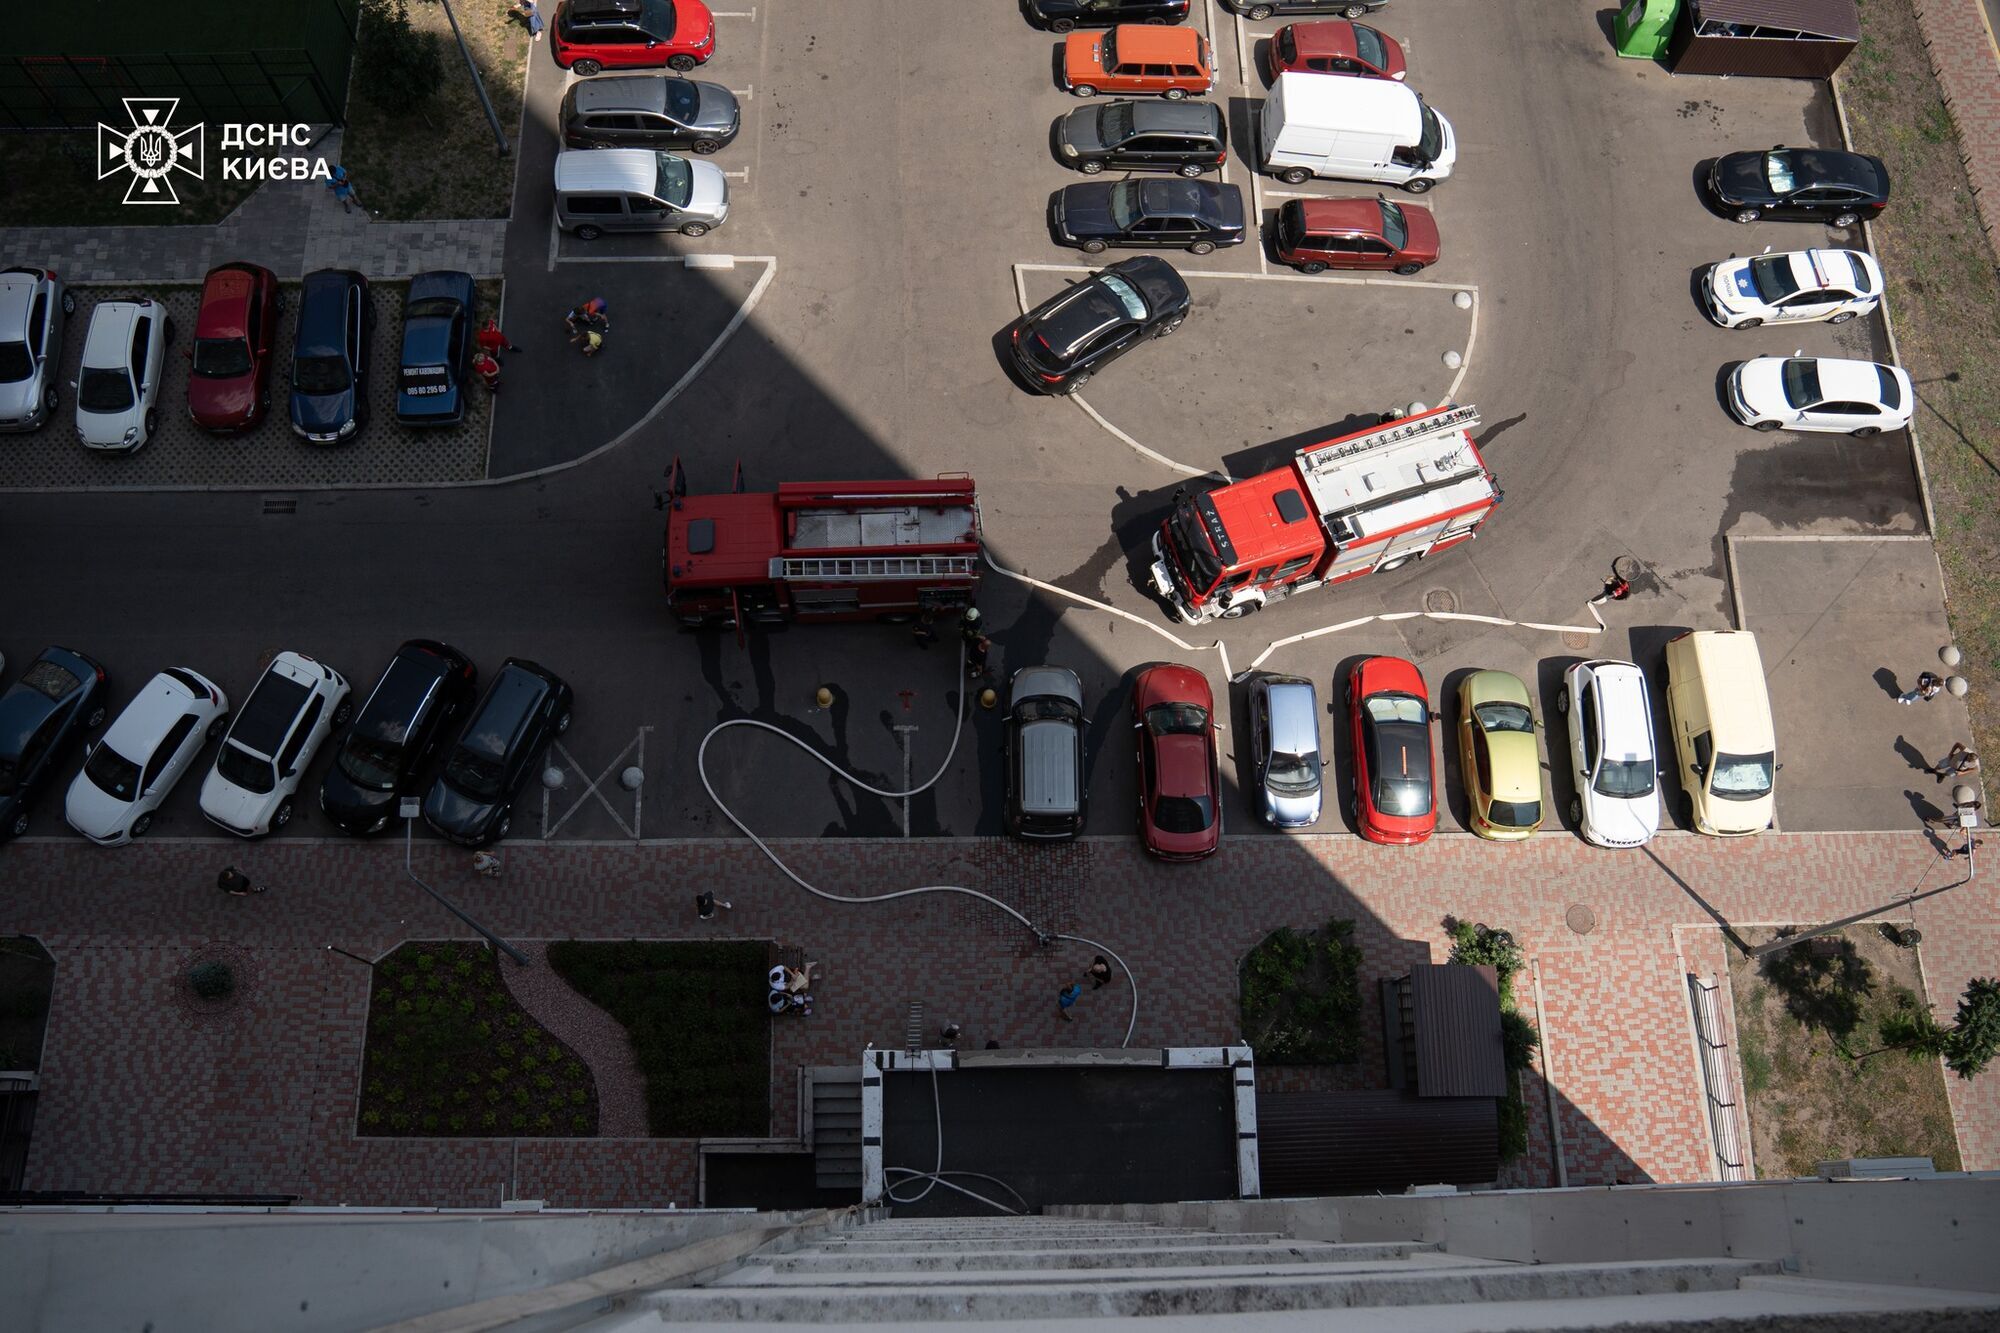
{"x":42,"y":717}
{"x":330,"y":356}
{"x":437,"y":341}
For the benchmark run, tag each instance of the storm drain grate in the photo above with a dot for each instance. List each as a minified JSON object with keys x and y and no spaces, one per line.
{"x":281,"y":504}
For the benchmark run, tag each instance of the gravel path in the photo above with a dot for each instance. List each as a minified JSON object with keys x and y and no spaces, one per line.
{"x":594,"y":1035}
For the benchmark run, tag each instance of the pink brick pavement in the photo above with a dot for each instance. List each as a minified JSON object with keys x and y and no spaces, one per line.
{"x":1961,"y":51}
{"x":137,"y":1096}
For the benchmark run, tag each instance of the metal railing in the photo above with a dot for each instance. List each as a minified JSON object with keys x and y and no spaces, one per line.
{"x":1718,"y":1082}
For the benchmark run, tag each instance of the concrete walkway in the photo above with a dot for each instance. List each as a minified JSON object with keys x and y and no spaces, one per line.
{"x":1959,"y":41}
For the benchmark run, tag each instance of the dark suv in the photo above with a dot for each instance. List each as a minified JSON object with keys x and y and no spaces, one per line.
{"x":330,"y":356}
{"x":1069,"y":15}
{"x":525,"y":707}
{"x":424,"y":690}
{"x":42,"y":716}
{"x":1188,"y":137}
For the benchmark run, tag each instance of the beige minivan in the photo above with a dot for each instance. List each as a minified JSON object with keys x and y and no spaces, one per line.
{"x":1720,"y":714}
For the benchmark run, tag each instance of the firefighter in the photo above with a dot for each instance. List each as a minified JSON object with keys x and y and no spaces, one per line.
{"x":971,"y":627}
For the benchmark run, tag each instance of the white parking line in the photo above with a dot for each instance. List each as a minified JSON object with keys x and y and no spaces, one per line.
{"x":749,"y":13}
{"x":747,"y":94}
{"x":693,"y":261}
{"x":742,"y":175}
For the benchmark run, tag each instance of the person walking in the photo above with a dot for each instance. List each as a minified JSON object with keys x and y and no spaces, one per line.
{"x":491,"y":340}
{"x":1927,"y":687}
{"x":1066,"y":999}
{"x":1959,"y":759}
{"x":487,"y":368}
{"x":235,"y":883}
{"x":705,"y":904}
{"x":948,"y":1035}
{"x":975,"y":658}
{"x":486,"y":863}
{"x":1099,"y":972}
{"x":342,"y":186}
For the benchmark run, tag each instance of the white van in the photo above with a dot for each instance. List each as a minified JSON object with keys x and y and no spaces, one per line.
{"x":1720,"y":713}
{"x":1354,"y":129}
{"x":637,"y":189}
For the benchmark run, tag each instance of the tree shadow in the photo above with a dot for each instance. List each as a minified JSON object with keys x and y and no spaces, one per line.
{"x":1822,"y":982}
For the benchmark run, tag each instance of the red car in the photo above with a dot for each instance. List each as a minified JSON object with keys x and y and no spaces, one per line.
{"x":1336,"y":47}
{"x":230,"y":384}
{"x":1180,"y":776}
{"x":1395,"y":797}
{"x":1314,"y":235}
{"x":591,"y":36}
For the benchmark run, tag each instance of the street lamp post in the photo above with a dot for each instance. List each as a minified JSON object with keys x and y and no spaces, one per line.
{"x":409,"y":810}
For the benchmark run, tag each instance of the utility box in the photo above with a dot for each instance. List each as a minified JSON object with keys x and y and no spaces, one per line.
{"x":1644,"y":27}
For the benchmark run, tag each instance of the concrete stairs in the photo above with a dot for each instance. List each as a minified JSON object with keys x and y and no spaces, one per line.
{"x":835,"y":1129}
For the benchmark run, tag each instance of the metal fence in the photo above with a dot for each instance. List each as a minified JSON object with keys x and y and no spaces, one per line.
{"x":1718,"y":1078}
{"x":76,"y":92}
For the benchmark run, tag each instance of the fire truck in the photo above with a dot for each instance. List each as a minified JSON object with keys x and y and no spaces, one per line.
{"x":1373,"y":500}
{"x":819,"y":550}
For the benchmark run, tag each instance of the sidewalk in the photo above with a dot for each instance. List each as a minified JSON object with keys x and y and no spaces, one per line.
{"x":1959,"y":40}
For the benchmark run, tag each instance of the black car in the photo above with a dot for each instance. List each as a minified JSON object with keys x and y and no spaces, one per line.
{"x":1188,"y":137}
{"x":422,"y":694}
{"x":1066,"y":339}
{"x":42,"y":716}
{"x":1196,"y":216}
{"x":1068,"y":15}
{"x":330,"y":356}
{"x":1263,"y":9}
{"x":524,"y":708}
{"x":1800,"y":184}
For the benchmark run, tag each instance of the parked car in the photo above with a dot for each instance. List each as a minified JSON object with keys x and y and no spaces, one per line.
{"x":296,"y":705}
{"x":1263,"y":9}
{"x":1719,"y":716}
{"x":330,"y":356}
{"x":1820,"y":393}
{"x":1068,"y":338}
{"x":1337,"y":46}
{"x":1068,"y":15}
{"x":591,"y":36}
{"x":417,"y":701}
{"x":525,"y":707}
{"x":1191,"y":138}
{"x":147,"y":749}
{"x":1498,"y":759}
{"x":1045,"y":770}
{"x":1801,"y":285}
{"x":638,"y":189}
{"x":229,"y":380}
{"x":1800,"y":185}
{"x":1395,"y":790}
{"x":649,"y":111}
{"x":1612,"y":758}
{"x":1180,"y":773}
{"x":437,"y":349}
{"x":33,"y":307}
{"x":1196,"y":216}
{"x":1169,"y":62}
{"x":118,"y":382}
{"x":1284,"y":749}
{"x":1314,"y":235}
{"x":42,"y":716}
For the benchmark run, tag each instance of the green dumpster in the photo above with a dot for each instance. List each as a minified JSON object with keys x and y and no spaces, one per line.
{"x":1643,"y":28}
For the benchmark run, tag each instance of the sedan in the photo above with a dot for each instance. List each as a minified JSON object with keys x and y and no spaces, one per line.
{"x":437,"y":346}
{"x":649,"y":111}
{"x":1314,"y":235}
{"x":1801,"y":185}
{"x":1612,"y":758}
{"x":294,"y":708}
{"x":1180,"y":773}
{"x":1191,"y":138}
{"x":1820,"y":393}
{"x":1284,"y":747}
{"x":42,"y":717}
{"x":118,"y":384}
{"x":1263,"y":9}
{"x":1395,"y":797}
{"x":1069,"y":15}
{"x":1497,"y":757}
{"x":33,"y":304}
{"x":1337,"y":46}
{"x":1196,"y":216}
{"x":148,"y":748}
{"x":330,"y":356}
{"x":421,"y":696}
{"x":229,"y":384}
{"x":1068,"y":338}
{"x":1804,"y":285}
{"x":523,"y":710}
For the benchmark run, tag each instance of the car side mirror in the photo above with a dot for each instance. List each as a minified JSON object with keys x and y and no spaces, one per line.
{"x":1699,"y":770}
{"x":90,"y":748}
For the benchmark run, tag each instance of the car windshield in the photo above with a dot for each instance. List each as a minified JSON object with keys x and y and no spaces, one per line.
{"x":682,"y":99}
{"x":1402,"y":796}
{"x":1397,"y":708}
{"x":474,"y":774}
{"x":1114,"y":123}
{"x":1505,"y":717}
{"x":319,"y":374}
{"x":1368,"y":45}
{"x":1742,"y":777}
{"x":370,"y":764}
{"x":676,"y":180}
{"x":113,"y":773}
{"x":1514,"y":814}
{"x":1191,"y":544}
{"x":221,"y":358}
{"x":1773,"y":277}
{"x":15,"y":363}
{"x":1287,"y":44}
{"x":1892,"y":392}
{"x":1183,"y":814}
{"x":104,"y":390}
{"x":1778,"y":172}
{"x":1177,"y":719}
{"x":1802,"y":381}
{"x":1432,"y":142}
{"x":1292,"y":774}
{"x":1124,"y":292}
{"x":1395,"y":229}
{"x":431,"y":307}
{"x":252,"y":773}
{"x":1047,"y":709}
{"x":1125,"y":210}
{"x":1624,"y":778}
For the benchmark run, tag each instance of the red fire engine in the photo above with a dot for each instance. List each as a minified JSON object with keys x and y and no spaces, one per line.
{"x":1375,"y":499}
{"x":821,"y":550}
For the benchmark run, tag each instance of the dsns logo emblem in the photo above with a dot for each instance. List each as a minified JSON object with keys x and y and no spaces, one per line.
{"x":151,"y":150}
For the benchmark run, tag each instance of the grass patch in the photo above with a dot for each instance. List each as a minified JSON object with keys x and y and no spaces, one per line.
{"x":696,"y":1014}
{"x":27,"y":980}
{"x":450,"y":1052}
{"x":66,"y":192}
{"x":1301,"y":996}
{"x":1799,"y":1014}
{"x":1479,"y":945}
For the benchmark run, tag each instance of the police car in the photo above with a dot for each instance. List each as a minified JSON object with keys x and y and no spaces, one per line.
{"x":1829,"y":285}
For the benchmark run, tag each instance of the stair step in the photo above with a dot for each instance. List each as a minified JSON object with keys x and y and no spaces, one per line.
{"x":1150,"y":1256}
{"x":1077,"y":1240}
{"x":978,"y":1274}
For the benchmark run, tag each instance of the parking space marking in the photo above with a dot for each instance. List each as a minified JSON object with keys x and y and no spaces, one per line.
{"x":747,"y":94}
{"x":750,"y":13}
{"x":591,"y":788}
{"x":1157,"y":457}
{"x":740,"y":175}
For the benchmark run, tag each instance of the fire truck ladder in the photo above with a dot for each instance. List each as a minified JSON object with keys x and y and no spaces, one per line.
{"x":1318,"y":460}
{"x":871,"y":567}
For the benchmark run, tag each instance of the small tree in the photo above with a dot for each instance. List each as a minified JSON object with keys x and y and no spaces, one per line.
{"x":211,"y":980}
{"x":1479,"y":945}
{"x":401,"y":66}
{"x":1967,"y":1046}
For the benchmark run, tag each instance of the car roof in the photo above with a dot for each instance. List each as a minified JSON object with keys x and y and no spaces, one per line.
{"x":1739,"y":704}
{"x":1624,"y":712}
{"x":1844,"y":380}
{"x":1325,"y":37}
{"x":1171,"y":682}
{"x":1294,"y":716}
{"x":1179,"y":198}
{"x":518,"y":689}
{"x":323,"y":311}
{"x":634,"y":92}
{"x":160,"y":702}
{"x":1340,"y":214}
{"x":1186,"y":117}
{"x":445,"y":282}
{"x":109,"y":341}
{"x":1333,"y":99}
{"x":1147,"y":42}
{"x":1834,"y":166}
{"x":225,"y":302}
{"x":17,"y":296}
{"x":625,"y":169}
{"x":1815,"y":270}
{"x":410,"y":678}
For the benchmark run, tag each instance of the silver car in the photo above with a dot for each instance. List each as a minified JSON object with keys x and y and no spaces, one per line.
{"x":1284,"y":741}
{"x":649,"y":111}
{"x":33,"y":302}
{"x":1045,"y":772}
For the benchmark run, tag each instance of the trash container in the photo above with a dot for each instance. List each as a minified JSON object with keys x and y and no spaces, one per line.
{"x":1644,"y":27}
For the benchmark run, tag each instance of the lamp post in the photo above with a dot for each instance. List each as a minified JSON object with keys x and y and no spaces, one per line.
{"x":409,"y":810}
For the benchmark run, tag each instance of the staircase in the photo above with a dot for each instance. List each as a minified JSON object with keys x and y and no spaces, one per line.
{"x":835,"y":1129}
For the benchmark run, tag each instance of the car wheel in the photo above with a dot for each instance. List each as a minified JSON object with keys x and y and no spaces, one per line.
{"x":1063,"y":25}
{"x":1863,"y":432}
{"x":681,"y":64}
{"x":1562,"y":700}
{"x":500,"y":829}
{"x":1397,"y":563}
{"x":1576,"y":812}
{"x":1419,"y":186}
{"x":19,"y":827}
{"x":694,"y":229}
{"x":50,"y":399}
{"x":1155,"y":23}
{"x":1312,"y":266}
{"x":583,"y":69}
{"x":217,"y":727}
{"x":1295,"y":175}
{"x":1092,"y":247}
{"x":588,"y":232}
{"x":1354,"y":12}
{"x":562,"y":723}
{"x":1202,"y":248}
{"x":1175,"y":94}
{"x":69,"y":303}
{"x":1843,"y":220}
{"x":1748,"y":324}
{"x":1239,"y":610}
{"x":1091,"y":168}
{"x":1766,"y":425}
{"x":283,"y":814}
{"x":141,"y":824}
{"x":152,"y":424}
{"x":96,"y":718}
{"x":1749,"y":214}
{"x":1260,"y":12}
{"x":1354,"y":808}
{"x":1167,"y":328}
{"x":1842,"y":317}
{"x":345,"y":711}
{"x":1409,"y":270}
{"x":1076,"y":383}
{"x":1192,"y":170}
{"x":1084,"y":90}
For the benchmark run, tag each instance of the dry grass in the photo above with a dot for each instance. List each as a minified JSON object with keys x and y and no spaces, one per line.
{"x":65,"y":190}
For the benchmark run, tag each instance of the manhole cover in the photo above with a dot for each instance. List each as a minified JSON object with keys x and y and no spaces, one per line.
{"x":1580,"y":919}
{"x":1576,"y":641}
{"x":1441,"y":599}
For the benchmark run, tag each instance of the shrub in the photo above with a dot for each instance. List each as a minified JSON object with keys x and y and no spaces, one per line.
{"x":396,"y":64}
{"x":211,"y":980}
{"x":1301,"y":996}
{"x":1518,"y":1039}
{"x":1479,"y":945}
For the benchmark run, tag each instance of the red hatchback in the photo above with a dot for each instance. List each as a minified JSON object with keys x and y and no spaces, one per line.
{"x":1180,"y":776}
{"x":1336,"y":47}
{"x":230,"y":384}
{"x":1314,"y":235}
{"x":591,"y":36}
{"x":1395,"y":797}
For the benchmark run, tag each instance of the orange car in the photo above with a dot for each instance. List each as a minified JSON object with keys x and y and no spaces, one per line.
{"x":1138,"y":58}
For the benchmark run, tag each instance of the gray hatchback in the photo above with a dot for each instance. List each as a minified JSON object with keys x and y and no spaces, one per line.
{"x":1284,"y":739}
{"x":649,"y":111}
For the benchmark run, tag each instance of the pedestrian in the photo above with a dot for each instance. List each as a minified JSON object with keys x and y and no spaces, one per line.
{"x":491,"y":340}
{"x":1959,"y":759}
{"x":1100,"y":971}
{"x":234,"y":882}
{"x":705,"y":904}
{"x":591,"y":340}
{"x":975,"y":658}
{"x":529,"y":14}
{"x":1065,"y":998}
{"x":924,"y":631}
{"x":488,"y":370}
{"x":342,"y":186}
{"x":1928,"y":685}
{"x":486,"y":863}
{"x":597,"y":312}
{"x":971,"y":625}
{"x":948,"y":1034}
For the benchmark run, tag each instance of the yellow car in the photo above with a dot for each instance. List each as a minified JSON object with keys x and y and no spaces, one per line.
{"x":1497,"y":755}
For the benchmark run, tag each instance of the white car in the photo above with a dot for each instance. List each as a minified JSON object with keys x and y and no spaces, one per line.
{"x":33,"y":305}
{"x":145,"y":752}
{"x":1801,"y":285}
{"x":1820,"y":393}
{"x":118,"y":384}
{"x":1613,"y":760}
{"x":294,"y":708}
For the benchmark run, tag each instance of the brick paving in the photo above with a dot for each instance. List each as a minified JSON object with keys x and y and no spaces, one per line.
{"x":137,"y":1096}
{"x":1960,"y":45}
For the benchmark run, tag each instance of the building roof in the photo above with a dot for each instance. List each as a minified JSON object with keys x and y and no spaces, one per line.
{"x":1314,"y":1143}
{"x":1455,"y":1010}
{"x":1840,"y":19}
